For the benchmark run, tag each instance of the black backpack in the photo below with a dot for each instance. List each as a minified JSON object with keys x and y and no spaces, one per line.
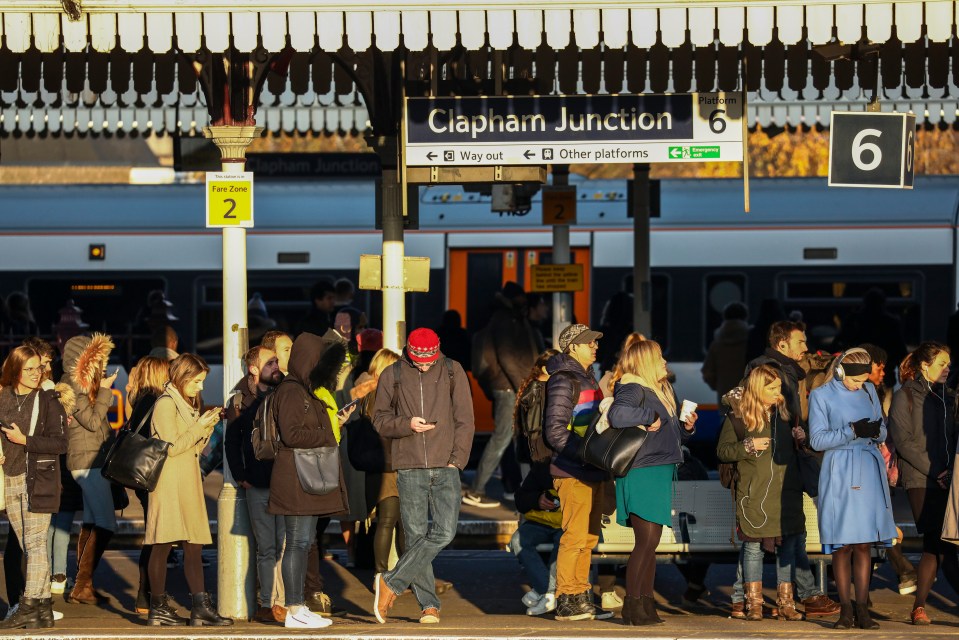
{"x":529,"y":418}
{"x":265,"y":436}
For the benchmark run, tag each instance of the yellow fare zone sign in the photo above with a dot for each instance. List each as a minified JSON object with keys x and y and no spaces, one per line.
{"x":229,"y":199}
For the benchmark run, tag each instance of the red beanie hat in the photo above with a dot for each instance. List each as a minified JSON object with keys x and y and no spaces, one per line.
{"x":370,"y":340}
{"x":423,"y":346}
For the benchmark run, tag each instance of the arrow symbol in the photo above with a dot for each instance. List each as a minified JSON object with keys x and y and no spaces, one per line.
{"x":430,"y":155}
{"x":675,"y":152}
{"x":528,"y":154}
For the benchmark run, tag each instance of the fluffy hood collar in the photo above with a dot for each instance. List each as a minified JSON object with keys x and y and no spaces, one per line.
{"x":86,"y":363}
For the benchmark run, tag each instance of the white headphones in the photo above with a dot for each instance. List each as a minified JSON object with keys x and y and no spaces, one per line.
{"x":840,"y":373}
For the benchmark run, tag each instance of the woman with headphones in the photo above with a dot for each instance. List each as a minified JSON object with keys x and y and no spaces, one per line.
{"x":922,"y":423}
{"x":855,"y":511}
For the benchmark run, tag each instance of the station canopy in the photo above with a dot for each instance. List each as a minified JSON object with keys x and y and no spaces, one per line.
{"x":104,"y":66}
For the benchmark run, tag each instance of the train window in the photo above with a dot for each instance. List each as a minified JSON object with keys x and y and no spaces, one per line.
{"x":661,"y":304}
{"x":721,"y":289}
{"x":831,"y":303}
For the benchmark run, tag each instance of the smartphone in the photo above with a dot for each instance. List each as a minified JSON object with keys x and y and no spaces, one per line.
{"x":346,"y":407}
{"x":432,"y":423}
{"x":116,"y":372}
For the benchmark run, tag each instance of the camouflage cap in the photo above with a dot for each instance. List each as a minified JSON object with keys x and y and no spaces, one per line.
{"x":577,"y":334}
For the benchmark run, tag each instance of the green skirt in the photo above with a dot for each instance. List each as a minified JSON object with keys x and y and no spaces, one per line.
{"x":647,"y":492}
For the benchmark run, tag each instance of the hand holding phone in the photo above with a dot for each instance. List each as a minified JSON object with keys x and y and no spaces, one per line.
{"x":106,"y":383}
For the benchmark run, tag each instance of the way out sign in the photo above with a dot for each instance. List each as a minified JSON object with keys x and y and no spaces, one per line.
{"x":872,"y":149}
{"x":229,"y":199}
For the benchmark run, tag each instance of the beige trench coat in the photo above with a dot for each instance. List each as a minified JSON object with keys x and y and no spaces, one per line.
{"x":177,"y":508}
{"x":950,"y":525}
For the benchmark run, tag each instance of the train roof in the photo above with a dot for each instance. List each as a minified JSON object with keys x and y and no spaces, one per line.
{"x":349,"y":205}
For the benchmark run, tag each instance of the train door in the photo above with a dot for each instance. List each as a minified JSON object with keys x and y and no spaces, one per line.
{"x":476,"y":275}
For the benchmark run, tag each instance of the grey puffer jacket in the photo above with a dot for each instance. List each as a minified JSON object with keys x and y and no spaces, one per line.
{"x":90,"y":434}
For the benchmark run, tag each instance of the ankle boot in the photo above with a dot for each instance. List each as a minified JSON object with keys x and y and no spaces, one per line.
{"x":863,"y":619}
{"x":162,"y":613}
{"x":46,"y":613}
{"x":26,"y":617}
{"x":754,"y":600}
{"x":82,"y":592}
{"x":204,"y":613}
{"x":649,"y":608}
{"x":634,"y":614}
{"x":786,"y":603}
{"x":845,"y":620}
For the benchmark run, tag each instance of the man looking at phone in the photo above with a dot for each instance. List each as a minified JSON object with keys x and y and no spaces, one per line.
{"x":423,"y":405}
{"x":263,"y":375}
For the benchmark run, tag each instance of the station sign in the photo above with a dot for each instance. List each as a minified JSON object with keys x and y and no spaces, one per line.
{"x":559,"y":205}
{"x":872,"y":149}
{"x":545,"y":278}
{"x":538,"y":130}
{"x":229,"y":199}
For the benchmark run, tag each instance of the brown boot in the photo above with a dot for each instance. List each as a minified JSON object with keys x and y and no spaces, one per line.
{"x":86,"y":562}
{"x":786,"y":603}
{"x":754,"y":600}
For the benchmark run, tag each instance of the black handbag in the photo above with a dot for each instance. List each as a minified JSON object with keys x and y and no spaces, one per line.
{"x":318,"y":469}
{"x":613,"y":450}
{"x":135,"y":461}
{"x":364,"y":447}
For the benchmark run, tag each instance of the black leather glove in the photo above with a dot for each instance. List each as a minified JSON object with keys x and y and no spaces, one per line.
{"x":866,"y":428}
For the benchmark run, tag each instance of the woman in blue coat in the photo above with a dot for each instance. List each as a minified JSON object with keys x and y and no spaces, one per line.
{"x":855,"y":512}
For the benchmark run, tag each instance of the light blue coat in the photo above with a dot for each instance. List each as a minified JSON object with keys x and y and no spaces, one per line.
{"x":854,"y":504}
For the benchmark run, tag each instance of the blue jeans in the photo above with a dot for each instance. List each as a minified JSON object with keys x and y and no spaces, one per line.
{"x":97,"y":498}
{"x":424,"y":492}
{"x":503,"y":404}
{"x":792,"y":565}
{"x":523,"y":545}
{"x":269,"y":533}
{"x":300,"y":532}
{"x":58,"y":541}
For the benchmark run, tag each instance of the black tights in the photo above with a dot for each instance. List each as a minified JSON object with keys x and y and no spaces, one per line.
{"x":852,"y":561}
{"x":192,"y":567}
{"x":641,"y":567}
{"x":936,"y":554}
{"x":387,"y":520}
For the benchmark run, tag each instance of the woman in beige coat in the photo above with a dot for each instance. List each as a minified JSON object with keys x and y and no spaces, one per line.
{"x":177,"y":509}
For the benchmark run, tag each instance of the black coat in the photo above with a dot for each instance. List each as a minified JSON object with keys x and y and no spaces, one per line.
{"x":44,"y":449}
{"x":238,"y":441}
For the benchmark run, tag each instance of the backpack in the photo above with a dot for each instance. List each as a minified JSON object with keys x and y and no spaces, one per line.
{"x":529,"y":417}
{"x":728,"y":471}
{"x":265,"y":436}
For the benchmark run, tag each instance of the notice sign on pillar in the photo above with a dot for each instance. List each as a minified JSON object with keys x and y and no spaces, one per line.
{"x":229,"y":199}
{"x":872,"y":149}
{"x":546,"y":278}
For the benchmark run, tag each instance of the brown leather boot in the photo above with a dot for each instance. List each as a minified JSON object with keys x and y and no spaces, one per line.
{"x":754,"y":600}
{"x":786,"y":603}
{"x":82,"y":592}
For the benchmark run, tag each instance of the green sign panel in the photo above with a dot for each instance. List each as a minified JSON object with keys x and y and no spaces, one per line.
{"x":694,"y":153}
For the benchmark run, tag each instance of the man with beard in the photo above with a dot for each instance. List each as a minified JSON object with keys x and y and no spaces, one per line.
{"x":254,"y":475}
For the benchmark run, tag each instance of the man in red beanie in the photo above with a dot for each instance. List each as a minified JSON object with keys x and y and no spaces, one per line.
{"x":423,"y":405}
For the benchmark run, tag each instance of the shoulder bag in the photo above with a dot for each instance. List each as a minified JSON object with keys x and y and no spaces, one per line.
{"x":318,"y":469}
{"x":610,"y":449}
{"x":135,"y":461}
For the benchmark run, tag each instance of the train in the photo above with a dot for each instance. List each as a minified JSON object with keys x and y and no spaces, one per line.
{"x":814,"y":248}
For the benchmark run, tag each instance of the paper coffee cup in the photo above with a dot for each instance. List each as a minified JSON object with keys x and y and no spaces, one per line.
{"x":688,"y":407}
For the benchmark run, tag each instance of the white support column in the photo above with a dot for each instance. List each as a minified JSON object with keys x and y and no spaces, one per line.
{"x":236,"y":583}
{"x":562,"y":302}
{"x":394,"y":294}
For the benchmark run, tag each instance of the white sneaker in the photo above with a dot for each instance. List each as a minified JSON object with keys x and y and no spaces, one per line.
{"x":58,"y":586}
{"x":611,"y":600}
{"x":531,"y":598}
{"x":302,"y":618}
{"x":546,"y":604}
{"x":57,"y":615}
{"x":479,"y":500}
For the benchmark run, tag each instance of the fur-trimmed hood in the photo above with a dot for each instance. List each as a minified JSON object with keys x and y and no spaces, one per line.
{"x":67,"y":397}
{"x":315,"y":361}
{"x":84,"y":359}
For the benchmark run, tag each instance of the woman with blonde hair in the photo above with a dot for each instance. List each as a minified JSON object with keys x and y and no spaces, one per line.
{"x":855,"y":511}
{"x":145,"y":386}
{"x":373,"y":456}
{"x":610,"y":377}
{"x":643,"y":398}
{"x":757,"y":436}
{"x":177,"y":508}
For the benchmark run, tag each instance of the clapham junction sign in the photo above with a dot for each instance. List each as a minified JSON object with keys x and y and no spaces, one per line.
{"x":537,"y":130}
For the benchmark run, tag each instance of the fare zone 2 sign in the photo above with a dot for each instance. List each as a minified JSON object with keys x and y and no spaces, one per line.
{"x":872,"y":149}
